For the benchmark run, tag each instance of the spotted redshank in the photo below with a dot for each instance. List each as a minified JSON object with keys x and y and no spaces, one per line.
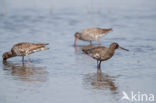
{"x":102,"y":53}
{"x":91,"y":34}
{"x":24,"y":49}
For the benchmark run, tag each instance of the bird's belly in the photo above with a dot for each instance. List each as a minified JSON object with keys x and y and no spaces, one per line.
{"x":105,"y":58}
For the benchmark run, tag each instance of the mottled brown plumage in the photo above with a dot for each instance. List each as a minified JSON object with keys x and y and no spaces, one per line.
{"x":24,"y":49}
{"x":102,"y":53}
{"x":91,"y":34}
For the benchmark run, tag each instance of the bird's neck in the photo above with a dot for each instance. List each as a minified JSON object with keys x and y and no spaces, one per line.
{"x":112,"y":49}
{"x":79,"y":35}
{"x":8,"y":54}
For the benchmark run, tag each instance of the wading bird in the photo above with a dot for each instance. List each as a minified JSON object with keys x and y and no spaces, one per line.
{"x":91,"y":34}
{"x":102,"y":53}
{"x":24,"y":49}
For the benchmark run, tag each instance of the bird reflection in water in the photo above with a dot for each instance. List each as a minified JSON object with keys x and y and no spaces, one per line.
{"x":101,"y":81}
{"x":25,"y":72}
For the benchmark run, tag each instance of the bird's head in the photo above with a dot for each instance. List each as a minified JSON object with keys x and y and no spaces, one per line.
{"x":116,"y":46}
{"x":77,"y":37}
{"x":7,"y":55}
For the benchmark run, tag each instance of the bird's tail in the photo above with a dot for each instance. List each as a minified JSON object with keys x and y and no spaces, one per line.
{"x":46,"y":43}
{"x":42,"y":44}
{"x":39,"y":47}
{"x":107,"y":30}
{"x":85,"y":50}
{"x":44,"y":48}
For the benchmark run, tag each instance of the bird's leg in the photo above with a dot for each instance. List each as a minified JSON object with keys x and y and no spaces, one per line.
{"x":97,"y":63}
{"x":100,"y":64}
{"x":99,"y":67}
{"x":23,"y":59}
{"x":98,"y":41}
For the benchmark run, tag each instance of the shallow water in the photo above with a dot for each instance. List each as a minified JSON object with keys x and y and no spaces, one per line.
{"x":63,"y":74}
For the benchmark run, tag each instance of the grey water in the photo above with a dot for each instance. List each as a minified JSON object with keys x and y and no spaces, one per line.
{"x":63,"y":74}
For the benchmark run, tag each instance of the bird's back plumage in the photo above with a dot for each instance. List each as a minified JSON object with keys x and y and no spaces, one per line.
{"x":97,"y":31}
{"x":94,"y":33}
{"x":26,"y":48}
{"x":100,"y":53}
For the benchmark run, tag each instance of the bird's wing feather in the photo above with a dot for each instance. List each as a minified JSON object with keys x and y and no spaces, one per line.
{"x":96,"y":52}
{"x":26,"y":47}
{"x":100,"y":53}
{"x":91,"y":31}
{"x":96,"y":49}
{"x":94,"y":32}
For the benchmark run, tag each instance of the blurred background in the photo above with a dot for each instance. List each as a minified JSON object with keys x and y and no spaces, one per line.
{"x":85,"y":5}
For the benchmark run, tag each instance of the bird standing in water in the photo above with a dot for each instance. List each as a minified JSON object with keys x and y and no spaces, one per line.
{"x":102,"y":53}
{"x":24,"y":49}
{"x":91,"y":34}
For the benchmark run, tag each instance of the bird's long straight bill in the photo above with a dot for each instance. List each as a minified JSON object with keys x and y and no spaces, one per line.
{"x":123,"y":48}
